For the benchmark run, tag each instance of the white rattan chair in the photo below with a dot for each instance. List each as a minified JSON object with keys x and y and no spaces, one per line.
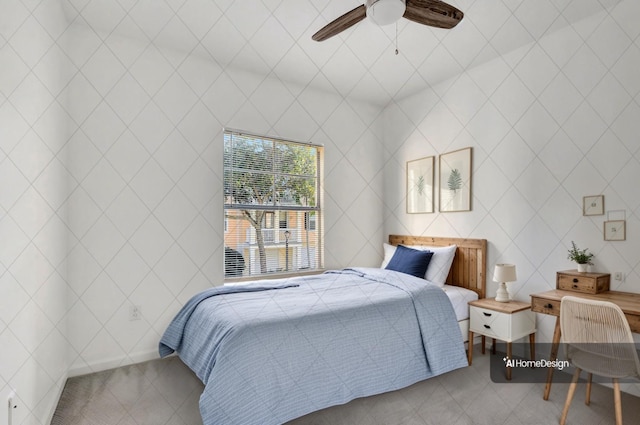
{"x":597,"y":340}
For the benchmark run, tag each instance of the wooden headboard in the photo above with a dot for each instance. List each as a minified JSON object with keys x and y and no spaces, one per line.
{"x":469,"y":265}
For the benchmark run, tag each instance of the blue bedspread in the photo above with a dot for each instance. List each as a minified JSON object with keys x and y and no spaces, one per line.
{"x":271,"y":352}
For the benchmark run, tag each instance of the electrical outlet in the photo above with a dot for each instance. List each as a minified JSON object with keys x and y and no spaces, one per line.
{"x":135,"y":312}
{"x":619,"y":276}
{"x":12,"y":405}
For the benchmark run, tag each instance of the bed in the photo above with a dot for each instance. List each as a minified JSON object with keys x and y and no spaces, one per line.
{"x":274,"y":350}
{"x":466,"y":280}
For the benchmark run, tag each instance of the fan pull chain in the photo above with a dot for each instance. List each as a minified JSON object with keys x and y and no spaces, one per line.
{"x":396,"y":38}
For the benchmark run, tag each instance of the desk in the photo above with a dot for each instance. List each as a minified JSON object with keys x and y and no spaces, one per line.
{"x":549,"y":303}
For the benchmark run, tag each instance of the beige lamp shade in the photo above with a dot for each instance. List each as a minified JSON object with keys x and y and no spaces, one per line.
{"x":504,"y":273}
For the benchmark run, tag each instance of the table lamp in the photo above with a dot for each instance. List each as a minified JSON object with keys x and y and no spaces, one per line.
{"x":504,"y":273}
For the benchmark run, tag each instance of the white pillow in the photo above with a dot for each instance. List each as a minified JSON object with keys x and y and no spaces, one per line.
{"x":439,"y":265}
{"x":389,"y":250}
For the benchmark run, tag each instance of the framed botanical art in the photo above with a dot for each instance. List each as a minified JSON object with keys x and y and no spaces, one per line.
{"x":455,"y":181}
{"x":420,"y":185}
{"x":593,"y":205}
{"x":615,"y":230}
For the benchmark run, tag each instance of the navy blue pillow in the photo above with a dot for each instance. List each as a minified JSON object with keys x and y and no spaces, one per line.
{"x":410,"y":261}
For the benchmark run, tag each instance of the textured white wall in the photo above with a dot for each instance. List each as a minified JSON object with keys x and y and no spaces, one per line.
{"x":549,"y":122}
{"x":33,"y":186}
{"x":145,"y":213}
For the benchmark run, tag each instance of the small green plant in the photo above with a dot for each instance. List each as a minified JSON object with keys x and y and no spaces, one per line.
{"x":580,"y":256}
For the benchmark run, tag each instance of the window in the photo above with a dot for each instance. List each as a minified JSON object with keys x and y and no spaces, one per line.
{"x":267,"y":221}
{"x":272,"y":205}
{"x":310,"y":221}
{"x":283,"y":220}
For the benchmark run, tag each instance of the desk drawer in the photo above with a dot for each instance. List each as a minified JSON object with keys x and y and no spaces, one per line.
{"x":542,"y":305}
{"x":634,"y":322}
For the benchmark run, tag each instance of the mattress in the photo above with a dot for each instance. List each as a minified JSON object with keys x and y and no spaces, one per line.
{"x":460,"y":298}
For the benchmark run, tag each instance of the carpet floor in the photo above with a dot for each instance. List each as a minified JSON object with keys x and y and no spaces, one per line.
{"x":166,"y":392}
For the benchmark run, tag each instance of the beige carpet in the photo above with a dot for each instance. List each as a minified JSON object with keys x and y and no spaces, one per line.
{"x":166,"y":392}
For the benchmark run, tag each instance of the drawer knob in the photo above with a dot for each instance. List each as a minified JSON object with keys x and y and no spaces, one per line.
{"x":575,"y":280}
{"x":575,"y":286}
{"x":486,"y":314}
{"x":549,"y":306}
{"x":487,"y":326}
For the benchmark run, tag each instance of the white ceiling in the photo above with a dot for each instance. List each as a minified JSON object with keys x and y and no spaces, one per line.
{"x":274,"y":36}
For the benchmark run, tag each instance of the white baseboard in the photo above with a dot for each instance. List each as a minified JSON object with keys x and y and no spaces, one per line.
{"x":107,"y":364}
{"x":52,"y":408}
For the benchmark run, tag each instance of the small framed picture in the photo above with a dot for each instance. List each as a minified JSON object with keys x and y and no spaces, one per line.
{"x":593,"y":205}
{"x":614,"y":230}
{"x":420,"y":185}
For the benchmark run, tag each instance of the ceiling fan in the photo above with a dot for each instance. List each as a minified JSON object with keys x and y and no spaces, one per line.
{"x":433,"y":13}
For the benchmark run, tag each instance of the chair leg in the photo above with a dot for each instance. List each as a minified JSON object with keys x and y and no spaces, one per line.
{"x":572,"y":390}
{"x":587,"y":399}
{"x":617,"y":401}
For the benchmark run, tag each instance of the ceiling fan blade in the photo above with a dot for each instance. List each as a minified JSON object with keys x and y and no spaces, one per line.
{"x":342,"y":23}
{"x":433,"y":13}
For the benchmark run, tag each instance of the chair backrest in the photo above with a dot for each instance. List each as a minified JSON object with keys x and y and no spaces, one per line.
{"x":598,"y":338}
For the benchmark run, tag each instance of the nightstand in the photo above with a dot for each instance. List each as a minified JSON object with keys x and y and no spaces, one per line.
{"x":507,"y":322}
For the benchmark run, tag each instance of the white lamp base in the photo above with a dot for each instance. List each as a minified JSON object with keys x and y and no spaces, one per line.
{"x":502,"y":295}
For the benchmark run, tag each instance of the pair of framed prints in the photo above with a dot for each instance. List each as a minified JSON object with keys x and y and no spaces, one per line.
{"x":454,"y":190}
{"x":614,"y":226}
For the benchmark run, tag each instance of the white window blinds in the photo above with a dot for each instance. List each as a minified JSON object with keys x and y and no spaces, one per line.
{"x":272,"y":205}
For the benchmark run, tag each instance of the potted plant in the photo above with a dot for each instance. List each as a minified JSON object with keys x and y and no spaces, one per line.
{"x":581,"y":256}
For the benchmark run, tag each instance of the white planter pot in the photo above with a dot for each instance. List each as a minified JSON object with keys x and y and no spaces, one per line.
{"x":582,"y":268}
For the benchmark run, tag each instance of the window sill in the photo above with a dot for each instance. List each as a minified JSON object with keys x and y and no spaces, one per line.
{"x":236,"y":281}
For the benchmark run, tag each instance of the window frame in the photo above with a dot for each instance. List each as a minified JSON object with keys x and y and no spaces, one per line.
{"x":281,"y":208}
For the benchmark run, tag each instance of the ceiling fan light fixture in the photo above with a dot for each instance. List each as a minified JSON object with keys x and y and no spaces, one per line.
{"x":385,"y":12}
{"x":433,"y":13}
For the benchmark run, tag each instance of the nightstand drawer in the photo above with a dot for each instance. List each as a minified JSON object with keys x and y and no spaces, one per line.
{"x":489,"y":322}
{"x":499,"y":325}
